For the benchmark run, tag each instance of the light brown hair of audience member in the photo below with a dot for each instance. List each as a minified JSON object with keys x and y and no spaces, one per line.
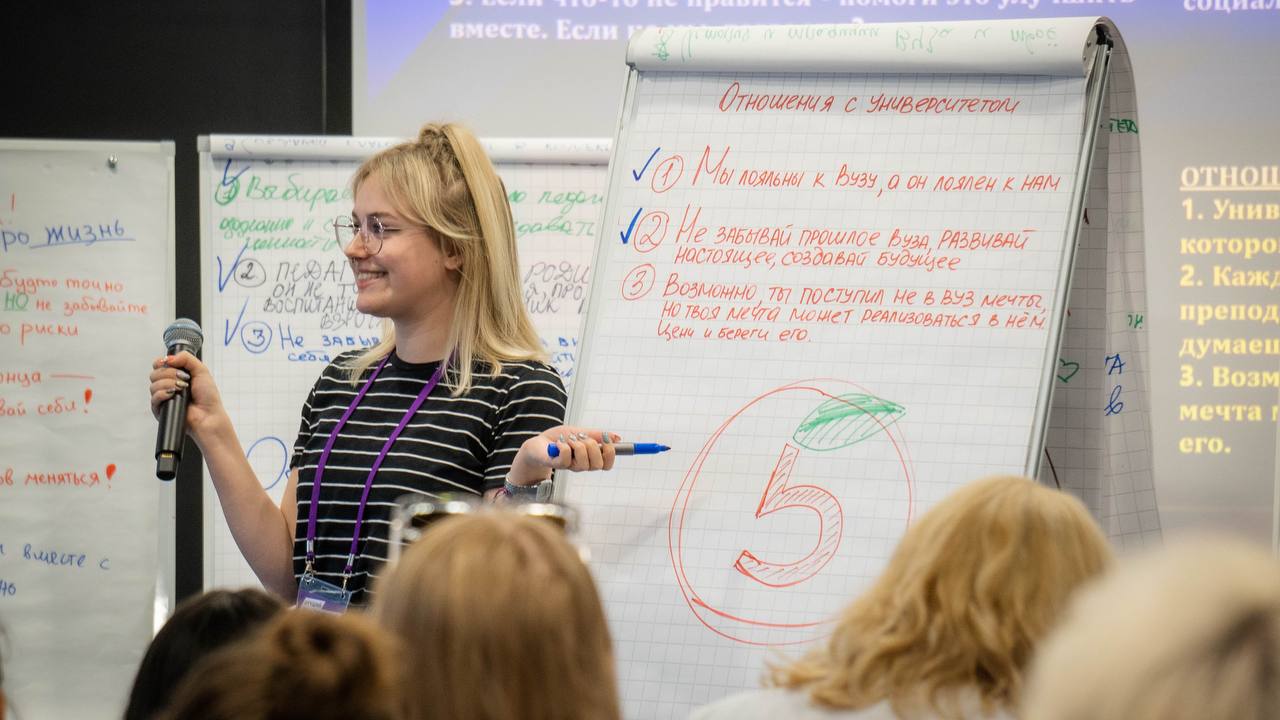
{"x":1191,"y":632}
{"x":305,"y":664}
{"x":970,"y":590}
{"x":500,"y":620}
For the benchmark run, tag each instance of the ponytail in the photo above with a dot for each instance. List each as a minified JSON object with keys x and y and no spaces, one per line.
{"x":445,"y":182}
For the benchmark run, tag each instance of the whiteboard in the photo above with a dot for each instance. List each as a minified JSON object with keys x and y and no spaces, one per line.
{"x":86,"y":277}
{"x":278,"y":296}
{"x":832,"y":276}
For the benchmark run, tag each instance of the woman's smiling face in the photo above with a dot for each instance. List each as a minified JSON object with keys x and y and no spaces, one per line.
{"x":409,"y":278}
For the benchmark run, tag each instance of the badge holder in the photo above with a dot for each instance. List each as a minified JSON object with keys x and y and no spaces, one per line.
{"x":316,"y":594}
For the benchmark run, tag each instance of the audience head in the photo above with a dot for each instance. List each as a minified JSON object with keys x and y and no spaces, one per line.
{"x":500,"y":619}
{"x":956,"y":614}
{"x":198,"y":626}
{"x":304,"y":665}
{"x":1187,"y":633}
{"x":443,"y":181}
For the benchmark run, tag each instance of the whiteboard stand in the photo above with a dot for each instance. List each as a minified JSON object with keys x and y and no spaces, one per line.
{"x":774,"y":299}
{"x":1096,"y":94}
{"x":86,"y":528}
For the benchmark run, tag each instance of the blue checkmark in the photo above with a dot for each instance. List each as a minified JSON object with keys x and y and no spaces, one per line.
{"x":637,"y":175}
{"x":627,"y":235}
{"x":224,"y":279}
{"x":228,"y":180}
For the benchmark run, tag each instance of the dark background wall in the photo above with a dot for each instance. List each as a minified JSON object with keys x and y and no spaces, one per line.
{"x":174,"y":70}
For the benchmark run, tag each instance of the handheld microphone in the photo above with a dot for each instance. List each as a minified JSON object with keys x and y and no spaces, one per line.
{"x":183,"y":334}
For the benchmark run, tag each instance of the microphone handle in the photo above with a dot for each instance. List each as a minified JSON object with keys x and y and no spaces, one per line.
{"x":172,"y":433}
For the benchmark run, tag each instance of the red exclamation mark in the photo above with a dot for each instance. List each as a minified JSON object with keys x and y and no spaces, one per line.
{"x":111,"y":470}
{"x":88,"y":397}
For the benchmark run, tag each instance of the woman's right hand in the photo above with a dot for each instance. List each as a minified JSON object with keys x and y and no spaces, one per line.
{"x":174,"y":372}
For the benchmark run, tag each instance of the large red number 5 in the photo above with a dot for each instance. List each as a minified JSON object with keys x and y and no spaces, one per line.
{"x":842,"y":415}
{"x":780,"y":496}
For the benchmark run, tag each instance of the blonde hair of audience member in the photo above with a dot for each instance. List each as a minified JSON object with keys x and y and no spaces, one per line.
{"x":500,"y":620}
{"x":444,"y":181}
{"x":1187,"y":633}
{"x":971,"y":588}
{"x":305,"y":664}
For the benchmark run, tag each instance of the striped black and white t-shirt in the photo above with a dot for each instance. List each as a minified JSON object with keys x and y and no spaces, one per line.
{"x":461,"y":444}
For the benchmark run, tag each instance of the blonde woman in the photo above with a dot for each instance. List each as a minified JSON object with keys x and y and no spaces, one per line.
{"x":949,"y":627}
{"x":303,"y":665}
{"x":500,"y":620}
{"x":1188,"y":633}
{"x":456,"y":398}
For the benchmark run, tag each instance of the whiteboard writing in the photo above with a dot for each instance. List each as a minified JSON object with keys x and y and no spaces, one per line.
{"x":837,"y":297}
{"x":86,"y":281}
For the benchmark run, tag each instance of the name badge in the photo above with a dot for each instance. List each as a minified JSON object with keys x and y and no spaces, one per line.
{"x":316,"y":594}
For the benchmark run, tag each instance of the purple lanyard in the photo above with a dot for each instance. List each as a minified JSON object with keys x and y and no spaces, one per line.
{"x":368,"y":483}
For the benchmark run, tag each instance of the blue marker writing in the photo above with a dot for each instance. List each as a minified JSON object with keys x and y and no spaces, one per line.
{"x":621,"y":449}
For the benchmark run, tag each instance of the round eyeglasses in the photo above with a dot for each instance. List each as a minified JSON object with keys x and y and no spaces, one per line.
{"x":370,"y":232}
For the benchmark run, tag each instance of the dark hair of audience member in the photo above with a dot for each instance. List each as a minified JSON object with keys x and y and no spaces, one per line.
{"x":305,"y":665}
{"x":199,"y":626}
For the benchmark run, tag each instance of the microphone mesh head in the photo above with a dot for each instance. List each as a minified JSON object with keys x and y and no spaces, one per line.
{"x":184,"y":331}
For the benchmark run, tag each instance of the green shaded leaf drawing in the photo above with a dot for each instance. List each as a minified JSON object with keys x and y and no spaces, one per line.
{"x":842,"y":421}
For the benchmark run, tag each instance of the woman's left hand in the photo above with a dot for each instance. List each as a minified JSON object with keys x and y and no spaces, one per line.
{"x":578,"y":449}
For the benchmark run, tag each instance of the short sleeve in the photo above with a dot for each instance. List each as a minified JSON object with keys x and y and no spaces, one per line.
{"x":306,"y":428}
{"x":535,"y":401}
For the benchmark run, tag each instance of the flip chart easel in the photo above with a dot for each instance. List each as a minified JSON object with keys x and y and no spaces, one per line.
{"x":834,"y":275}
{"x":86,"y":529}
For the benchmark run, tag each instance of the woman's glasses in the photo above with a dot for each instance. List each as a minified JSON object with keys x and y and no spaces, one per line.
{"x":370,"y":232}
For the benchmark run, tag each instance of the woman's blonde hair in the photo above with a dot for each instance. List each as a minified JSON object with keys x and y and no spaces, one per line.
{"x":304,"y":664}
{"x":500,"y":620}
{"x":1187,"y":633}
{"x":444,"y":182}
{"x":957,"y":613}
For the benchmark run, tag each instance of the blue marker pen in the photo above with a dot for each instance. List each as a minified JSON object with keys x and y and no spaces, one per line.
{"x":621,"y":449}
